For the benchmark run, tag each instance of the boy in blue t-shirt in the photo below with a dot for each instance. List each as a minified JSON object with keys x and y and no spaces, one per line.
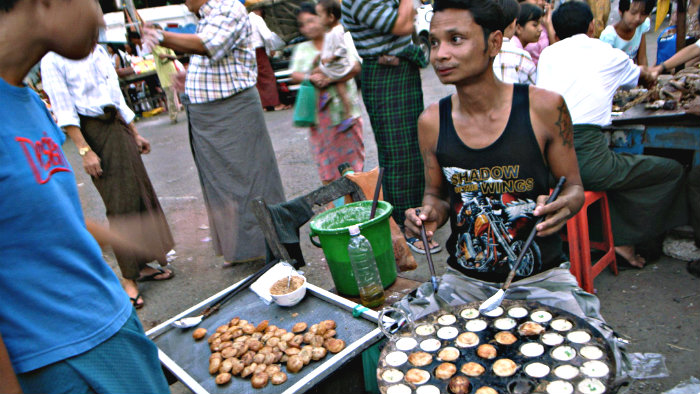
{"x":66,"y":325}
{"x":628,"y":34}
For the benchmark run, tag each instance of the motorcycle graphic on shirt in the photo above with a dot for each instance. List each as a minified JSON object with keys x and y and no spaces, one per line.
{"x":492,"y":224}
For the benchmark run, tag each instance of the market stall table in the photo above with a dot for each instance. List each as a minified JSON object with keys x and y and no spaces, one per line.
{"x":639,"y":130}
{"x":187,"y":360}
{"x":151,"y":79}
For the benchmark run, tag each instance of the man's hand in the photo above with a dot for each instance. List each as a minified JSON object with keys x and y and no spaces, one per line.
{"x":143,"y":144}
{"x":646,"y":78}
{"x":149,"y":37}
{"x":556,"y":213}
{"x":91,"y":164}
{"x":428,"y":217}
{"x":655,"y":71}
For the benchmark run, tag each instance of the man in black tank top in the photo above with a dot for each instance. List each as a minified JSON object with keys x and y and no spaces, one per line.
{"x":489,"y":151}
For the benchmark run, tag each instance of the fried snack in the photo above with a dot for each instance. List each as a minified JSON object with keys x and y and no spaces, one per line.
{"x":530,"y":328}
{"x":213,"y":337}
{"x":248,"y":328}
{"x":329,"y":334}
{"x":420,"y":359}
{"x":272,"y":369}
{"x":248,"y":370}
{"x":505,"y":338}
{"x":295,"y":364}
{"x":259,"y":380}
{"x":417,"y":376}
{"x":292,"y":351}
{"x":287,"y":336}
{"x":214,"y":365}
{"x":199,"y":333}
{"x":445,"y":371}
{"x":299,"y":327}
{"x":334,"y":345}
{"x":262,"y":326}
{"x":215,"y":355}
{"x":236,"y":366}
{"x":486,"y":390}
{"x":448,"y":354}
{"x":318,"y":353}
{"x":296,"y":341}
{"x":486,"y":351}
{"x":459,"y":385}
{"x":234,"y":321}
{"x":259,"y":358}
{"x":504,"y":367}
{"x":223,"y":378}
{"x":467,"y":339}
{"x":278,"y":378}
{"x":305,"y":355}
{"x":472,"y":369}
{"x":247,"y":358}
{"x":317,"y":340}
{"x":329,"y":324}
{"x":222,"y":329}
{"x":259,"y":368}
{"x":226,"y":366}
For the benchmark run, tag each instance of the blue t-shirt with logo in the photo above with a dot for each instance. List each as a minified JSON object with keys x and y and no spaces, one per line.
{"x":59,"y":298}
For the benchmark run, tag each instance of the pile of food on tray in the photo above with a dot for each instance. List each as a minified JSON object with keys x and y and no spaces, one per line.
{"x":518,"y":347}
{"x":243,"y":349}
{"x":670,"y":92}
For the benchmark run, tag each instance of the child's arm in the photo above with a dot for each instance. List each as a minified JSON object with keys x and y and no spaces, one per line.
{"x":642,"y":52}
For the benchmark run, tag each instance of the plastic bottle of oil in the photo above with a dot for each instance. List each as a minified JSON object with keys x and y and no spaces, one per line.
{"x":364,"y":266}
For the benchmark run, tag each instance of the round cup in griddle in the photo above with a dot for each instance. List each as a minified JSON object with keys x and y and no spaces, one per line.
{"x":512,"y":351}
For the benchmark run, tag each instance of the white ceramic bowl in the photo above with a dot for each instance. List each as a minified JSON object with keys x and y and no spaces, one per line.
{"x":293,"y":298}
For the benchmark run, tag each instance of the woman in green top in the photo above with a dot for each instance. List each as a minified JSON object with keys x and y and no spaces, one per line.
{"x":330,"y":146}
{"x":165,"y":68}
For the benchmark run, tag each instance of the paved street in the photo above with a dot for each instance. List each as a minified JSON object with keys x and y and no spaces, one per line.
{"x":658,"y":307}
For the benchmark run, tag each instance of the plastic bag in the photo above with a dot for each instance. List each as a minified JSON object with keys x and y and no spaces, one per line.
{"x":647,"y":365}
{"x":690,"y":386}
{"x":305,"y":106}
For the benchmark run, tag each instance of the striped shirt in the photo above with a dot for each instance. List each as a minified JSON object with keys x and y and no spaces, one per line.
{"x":370,"y":23}
{"x":514,"y":65}
{"x":230,"y":66}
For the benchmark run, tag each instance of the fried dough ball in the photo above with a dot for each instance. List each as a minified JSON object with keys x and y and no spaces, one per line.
{"x":317,"y":340}
{"x":259,"y":380}
{"x":223,"y":378}
{"x":445,"y":371}
{"x":305,"y":355}
{"x":269,"y":358}
{"x":199,"y":333}
{"x":486,"y":390}
{"x":272,"y":369}
{"x":486,"y":351}
{"x":330,"y":324}
{"x":459,"y":385}
{"x":247,"y":358}
{"x":259,"y":358}
{"x":248,"y":328}
{"x":278,"y":378}
{"x":292,"y":351}
{"x":271,"y":329}
{"x":259,"y":368}
{"x":504,"y":367}
{"x":274,"y":341}
{"x":222,"y":329}
{"x":295,"y":364}
{"x":472,"y":369}
{"x":236,"y":366}
{"x":248,"y":370}
{"x":234,"y":321}
{"x":329,"y":334}
{"x":226,"y":366}
{"x":299,"y":327}
{"x":505,"y":338}
{"x":530,"y":328}
{"x":308,"y":337}
{"x":286,"y":337}
{"x":215,"y":355}
{"x":313,"y":329}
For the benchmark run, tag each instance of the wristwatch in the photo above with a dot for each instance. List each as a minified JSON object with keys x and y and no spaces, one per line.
{"x":159,"y":36}
{"x":83,"y":151}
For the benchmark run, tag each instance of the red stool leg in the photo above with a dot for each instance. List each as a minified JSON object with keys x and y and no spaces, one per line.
{"x":607,"y":231}
{"x":585,"y":245}
{"x":572,"y":235}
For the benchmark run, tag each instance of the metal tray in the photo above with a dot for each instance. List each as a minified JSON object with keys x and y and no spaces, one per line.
{"x":501,"y":385}
{"x":188,"y":359}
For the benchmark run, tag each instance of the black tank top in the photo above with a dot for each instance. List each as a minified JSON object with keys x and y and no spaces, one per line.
{"x":492,"y":194}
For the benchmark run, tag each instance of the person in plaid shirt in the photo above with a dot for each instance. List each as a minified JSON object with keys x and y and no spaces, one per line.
{"x":513,"y":64}
{"x":229,"y":138}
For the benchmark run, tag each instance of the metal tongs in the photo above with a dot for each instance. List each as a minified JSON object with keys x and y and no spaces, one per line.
{"x":444,"y":305}
{"x":187,"y":322}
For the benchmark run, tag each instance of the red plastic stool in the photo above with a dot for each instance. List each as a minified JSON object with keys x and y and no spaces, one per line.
{"x":580,"y":244}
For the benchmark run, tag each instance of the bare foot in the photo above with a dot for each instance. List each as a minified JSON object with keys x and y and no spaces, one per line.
{"x":628,"y":253}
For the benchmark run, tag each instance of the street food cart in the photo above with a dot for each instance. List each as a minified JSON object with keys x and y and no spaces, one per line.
{"x":672,"y":133}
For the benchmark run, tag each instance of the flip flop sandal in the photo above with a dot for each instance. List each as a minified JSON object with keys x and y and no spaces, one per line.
{"x":411,"y":244}
{"x":135,"y":301}
{"x":160,"y":271}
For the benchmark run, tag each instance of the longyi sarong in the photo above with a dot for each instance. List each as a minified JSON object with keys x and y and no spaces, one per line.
{"x":267,"y":83}
{"x":236,"y":164}
{"x":645,"y":193}
{"x":393,"y":98}
{"x":132,"y":206}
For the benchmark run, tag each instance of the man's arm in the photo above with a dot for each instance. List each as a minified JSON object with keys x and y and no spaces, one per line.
{"x":435,"y":210}
{"x":684,"y":55}
{"x":181,"y":42}
{"x":642,"y":52}
{"x":404,"y":21}
{"x":8,"y":379}
{"x":551,"y":115}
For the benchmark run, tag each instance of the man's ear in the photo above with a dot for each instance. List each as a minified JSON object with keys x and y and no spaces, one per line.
{"x":591,"y":30}
{"x":495,"y":42}
{"x":518,"y":29}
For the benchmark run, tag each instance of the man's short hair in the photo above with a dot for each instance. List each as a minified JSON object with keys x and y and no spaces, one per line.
{"x":511,"y":10}
{"x":648,"y":5}
{"x":529,"y":12}
{"x":571,"y":18}
{"x":486,"y":13}
{"x":7,"y":5}
{"x":307,"y":7}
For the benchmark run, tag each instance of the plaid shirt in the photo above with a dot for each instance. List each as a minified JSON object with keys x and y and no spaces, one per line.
{"x":370,"y":23}
{"x":514,"y":65}
{"x":230,"y":66}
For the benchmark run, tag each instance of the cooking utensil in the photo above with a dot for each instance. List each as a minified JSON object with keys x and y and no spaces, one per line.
{"x":377,"y":189}
{"x":444,"y":305}
{"x":495,"y":300}
{"x":187,"y":322}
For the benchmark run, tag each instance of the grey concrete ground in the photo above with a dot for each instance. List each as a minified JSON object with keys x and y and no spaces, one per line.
{"x":657,"y":308}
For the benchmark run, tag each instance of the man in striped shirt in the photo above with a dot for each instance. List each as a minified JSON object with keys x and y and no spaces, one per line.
{"x":229,"y":138}
{"x":391,"y":90}
{"x":513,"y":64}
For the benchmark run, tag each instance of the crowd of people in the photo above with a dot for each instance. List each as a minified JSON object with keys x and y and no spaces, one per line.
{"x":533,"y":84}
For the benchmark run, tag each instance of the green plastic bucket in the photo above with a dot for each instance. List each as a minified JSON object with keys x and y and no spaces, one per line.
{"x":331,"y":228}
